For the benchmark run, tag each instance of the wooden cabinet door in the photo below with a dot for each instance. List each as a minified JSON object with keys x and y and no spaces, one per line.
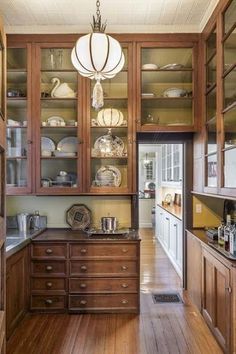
{"x":16,"y":289}
{"x":194,"y":276}
{"x":216,"y":297}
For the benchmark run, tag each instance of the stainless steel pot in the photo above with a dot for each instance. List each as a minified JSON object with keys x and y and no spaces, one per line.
{"x":108,"y":224}
{"x":24,"y":221}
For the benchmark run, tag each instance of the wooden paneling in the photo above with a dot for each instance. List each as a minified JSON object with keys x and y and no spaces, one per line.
{"x":17,"y":288}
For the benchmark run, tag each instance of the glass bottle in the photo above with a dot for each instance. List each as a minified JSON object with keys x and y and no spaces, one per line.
{"x":221,"y":240}
{"x":227,"y":229}
{"x":232,"y":240}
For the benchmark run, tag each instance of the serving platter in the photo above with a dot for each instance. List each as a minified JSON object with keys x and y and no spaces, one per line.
{"x":68,"y":144}
{"x":78,"y":216}
{"x":47,"y":144}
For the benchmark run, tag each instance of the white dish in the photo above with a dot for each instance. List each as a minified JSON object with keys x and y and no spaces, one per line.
{"x":55,"y":121}
{"x":174,"y":92}
{"x":174,"y":66}
{"x":59,"y":153}
{"x":110,"y":117}
{"x":149,"y":67}
{"x":46,"y":153}
{"x":68,"y":144}
{"x":47,"y":144}
{"x":108,"y":176}
{"x":148,"y":94}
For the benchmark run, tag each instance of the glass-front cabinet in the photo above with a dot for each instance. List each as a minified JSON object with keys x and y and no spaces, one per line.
{"x":110,"y":138}
{"x":166,"y":87}
{"x":210,"y":112}
{"x":58,"y":122}
{"x":228,"y":147}
{"x":18,"y":133}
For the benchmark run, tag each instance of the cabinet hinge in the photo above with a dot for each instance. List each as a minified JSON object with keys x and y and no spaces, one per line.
{"x":229,"y":289}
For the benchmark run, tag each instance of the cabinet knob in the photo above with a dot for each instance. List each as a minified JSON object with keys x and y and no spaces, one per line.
{"x":48,"y":302}
{"x":48,"y":251}
{"x":83,"y":268}
{"x":83,"y":250}
{"x":124,"y":250}
{"x":167,"y":219}
{"x":175,"y":225}
{"x":83,"y":285}
{"x":48,"y":284}
{"x":29,"y":142}
{"x":228,"y":289}
{"x":124,"y":285}
{"x":49,"y":268}
{"x":124,"y":302}
{"x":124,"y":267}
{"x":83,"y":302}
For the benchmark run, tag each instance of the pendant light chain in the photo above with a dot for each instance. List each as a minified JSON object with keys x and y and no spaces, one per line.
{"x":98,"y":9}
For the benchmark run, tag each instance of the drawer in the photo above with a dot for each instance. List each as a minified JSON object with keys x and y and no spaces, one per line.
{"x":103,"y":250}
{"x":49,"y":268}
{"x":44,"y":302}
{"x":81,"y":285}
{"x":103,"y":268}
{"x":103,"y":302}
{"x":49,"y":250}
{"x":48,"y":284}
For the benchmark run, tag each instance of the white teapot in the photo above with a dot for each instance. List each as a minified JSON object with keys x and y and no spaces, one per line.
{"x":61,"y":90}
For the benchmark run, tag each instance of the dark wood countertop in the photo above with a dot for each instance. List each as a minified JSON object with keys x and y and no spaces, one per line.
{"x":70,"y":235}
{"x":200,"y":234}
{"x":173,"y":209}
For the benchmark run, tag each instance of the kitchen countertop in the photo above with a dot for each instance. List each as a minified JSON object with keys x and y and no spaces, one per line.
{"x":16,"y":240}
{"x":200,"y":234}
{"x":99,"y":235}
{"x":173,"y":209}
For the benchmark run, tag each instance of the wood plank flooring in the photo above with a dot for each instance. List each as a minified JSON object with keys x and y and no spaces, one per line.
{"x":159,"y":329}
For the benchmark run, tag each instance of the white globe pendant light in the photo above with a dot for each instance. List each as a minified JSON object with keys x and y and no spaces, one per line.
{"x":98,"y":57}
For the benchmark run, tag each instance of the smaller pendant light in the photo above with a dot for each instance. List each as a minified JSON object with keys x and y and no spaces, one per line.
{"x":97,"y":56}
{"x":146,"y":161}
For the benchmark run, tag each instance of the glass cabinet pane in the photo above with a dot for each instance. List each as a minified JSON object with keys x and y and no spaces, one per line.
{"x":211,"y":105}
{"x":230,"y":16}
{"x":211,"y":72}
{"x":211,"y":137}
{"x":211,"y":45}
{"x":230,"y":168}
{"x":230,"y":89}
{"x":230,"y":128}
{"x":166,"y":86}
{"x":17,"y":134}
{"x":230,"y":51}
{"x":211,"y":168}
{"x":59,"y":121}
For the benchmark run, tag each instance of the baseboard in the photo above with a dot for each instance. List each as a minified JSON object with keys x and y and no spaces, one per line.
{"x":145,"y":225}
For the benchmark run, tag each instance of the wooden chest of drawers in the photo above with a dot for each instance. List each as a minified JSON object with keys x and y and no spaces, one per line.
{"x":83,"y":277}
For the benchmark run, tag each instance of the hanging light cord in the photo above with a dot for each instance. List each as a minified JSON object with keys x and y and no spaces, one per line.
{"x":98,"y":9}
{"x":97,"y":25}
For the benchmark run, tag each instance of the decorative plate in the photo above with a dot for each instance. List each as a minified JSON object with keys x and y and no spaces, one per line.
{"x":78,"y":216}
{"x":68,"y":144}
{"x":108,"y":176}
{"x":110,"y":117}
{"x":55,"y":121}
{"x":47,"y":144}
{"x":149,"y":67}
{"x":174,"y":92}
{"x":174,"y":66}
{"x":109,"y":145}
{"x":59,"y":153}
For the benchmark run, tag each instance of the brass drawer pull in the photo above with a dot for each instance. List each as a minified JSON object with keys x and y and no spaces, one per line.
{"x":83,"y":286}
{"x":124,"y":250}
{"x":83,"y":250}
{"x":49,"y":251}
{"x":48,"y":284}
{"x":83,"y":302}
{"x":124,"y":302}
{"x":83,"y":268}
{"x":124,"y":267}
{"x":124,"y":285}
{"x":49,"y":268}
{"x":48,"y":302}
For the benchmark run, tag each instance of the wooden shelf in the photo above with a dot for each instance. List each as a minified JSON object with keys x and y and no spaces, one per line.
{"x":109,"y":157}
{"x":59,"y":157}
{"x":229,"y":108}
{"x":16,"y":158}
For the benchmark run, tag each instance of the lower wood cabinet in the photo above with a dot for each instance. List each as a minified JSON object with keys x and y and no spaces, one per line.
{"x":216,"y":299}
{"x":92,"y":276}
{"x":211,"y":285}
{"x":17,"y":288}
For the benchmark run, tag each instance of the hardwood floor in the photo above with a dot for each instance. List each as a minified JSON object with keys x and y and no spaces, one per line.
{"x":163,"y":328}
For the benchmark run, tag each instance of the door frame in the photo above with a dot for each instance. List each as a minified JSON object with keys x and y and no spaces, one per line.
{"x":186,"y":139}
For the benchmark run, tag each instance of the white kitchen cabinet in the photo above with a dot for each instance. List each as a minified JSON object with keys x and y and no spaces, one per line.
{"x":171,"y":164}
{"x":169,"y":233}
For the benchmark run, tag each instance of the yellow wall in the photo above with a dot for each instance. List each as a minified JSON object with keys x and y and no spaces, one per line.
{"x":212,"y":211}
{"x":55,"y":207}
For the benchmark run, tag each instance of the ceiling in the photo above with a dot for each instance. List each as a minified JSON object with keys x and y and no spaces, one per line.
{"x":124,"y":16}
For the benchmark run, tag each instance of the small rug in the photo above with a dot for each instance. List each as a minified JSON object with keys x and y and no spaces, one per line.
{"x":161,"y":298}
